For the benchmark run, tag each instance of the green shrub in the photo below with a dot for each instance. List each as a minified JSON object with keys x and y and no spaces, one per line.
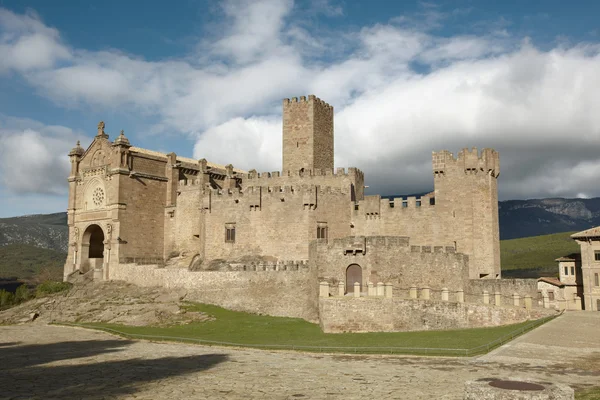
{"x":50,"y":287}
{"x":6,"y":298}
{"x":22,"y":294}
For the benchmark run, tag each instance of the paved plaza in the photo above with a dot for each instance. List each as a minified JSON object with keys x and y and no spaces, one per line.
{"x":43,"y":362}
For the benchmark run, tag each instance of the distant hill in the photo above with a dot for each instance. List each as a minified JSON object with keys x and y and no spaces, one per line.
{"x":27,"y":262}
{"x":47,"y":231}
{"x":524,"y":218}
{"x":533,"y":257}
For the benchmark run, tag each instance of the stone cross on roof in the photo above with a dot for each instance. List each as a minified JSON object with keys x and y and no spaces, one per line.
{"x":101,"y":128}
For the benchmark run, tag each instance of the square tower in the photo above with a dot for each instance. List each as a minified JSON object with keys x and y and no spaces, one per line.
{"x":307,"y":134}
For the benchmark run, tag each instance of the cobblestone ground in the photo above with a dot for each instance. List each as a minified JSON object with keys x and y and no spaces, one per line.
{"x":40,"y":361}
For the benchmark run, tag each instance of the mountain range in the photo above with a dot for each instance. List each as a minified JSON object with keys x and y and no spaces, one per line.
{"x":518,"y":218}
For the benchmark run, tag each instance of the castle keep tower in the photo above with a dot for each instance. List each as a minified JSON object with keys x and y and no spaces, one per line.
{"x":307,"y":134}
{"x":466,"y":192}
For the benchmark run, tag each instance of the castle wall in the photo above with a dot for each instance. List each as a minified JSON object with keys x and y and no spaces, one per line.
{"x":277,"y":293}
{"x":390,"y":259}
{"x":275,"y":222}
{"x":371,"y":314}
{"x":506,"y":288}
{"x":185,"y":221}
{"x":412,"y":217}
{"x":353,"y":179}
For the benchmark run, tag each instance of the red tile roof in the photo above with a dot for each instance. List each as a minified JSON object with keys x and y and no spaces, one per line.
{"x":552,"y":281}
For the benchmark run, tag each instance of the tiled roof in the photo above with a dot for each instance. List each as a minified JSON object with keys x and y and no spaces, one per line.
{"x":592,"y":232}
{"x":570,"y":257}
{"x":183,"y":159}
{"x":552,"y":281}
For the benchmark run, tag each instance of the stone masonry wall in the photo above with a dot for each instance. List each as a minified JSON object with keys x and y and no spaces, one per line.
{"x":277,"y":293}
{"x":371,"y":314}
{"x":307,"y":134}
{"x":506,"y":288}
{"x":277,"y":222}
{"x":142,"y":220}
{"x":352,"y":179}
{"x":390,"y":259}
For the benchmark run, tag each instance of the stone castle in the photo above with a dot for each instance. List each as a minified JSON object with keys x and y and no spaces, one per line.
{"x":263,"y":241}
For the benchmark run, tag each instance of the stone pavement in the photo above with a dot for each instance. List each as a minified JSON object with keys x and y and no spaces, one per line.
{"x":40,"y":361}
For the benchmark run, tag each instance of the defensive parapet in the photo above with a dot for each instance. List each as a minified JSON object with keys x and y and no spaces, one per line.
{"x":469,"y":161}
{"x":375,"y":206}
{"x":304,"y":99}
{"x":351,"y":181}
{"x":271,"y":266}
{"x":255,"y":198}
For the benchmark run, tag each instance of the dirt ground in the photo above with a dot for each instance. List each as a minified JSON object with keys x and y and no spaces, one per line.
{"x":41,"y":361}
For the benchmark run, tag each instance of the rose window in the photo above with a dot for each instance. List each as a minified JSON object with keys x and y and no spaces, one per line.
{"x":98,"y":196}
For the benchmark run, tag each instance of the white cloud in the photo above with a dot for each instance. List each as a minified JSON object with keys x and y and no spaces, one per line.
{"x":27,"y":44}
{"x":399,"y":92}
{"x":33,"y":156}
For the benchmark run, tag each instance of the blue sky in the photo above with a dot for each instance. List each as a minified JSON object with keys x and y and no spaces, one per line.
{"x":206,"y":78}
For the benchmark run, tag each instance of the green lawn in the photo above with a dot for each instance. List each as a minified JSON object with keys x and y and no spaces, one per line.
{"x":588,"y":394}
{"x":536,"y":251}
{"x":291,"y":333}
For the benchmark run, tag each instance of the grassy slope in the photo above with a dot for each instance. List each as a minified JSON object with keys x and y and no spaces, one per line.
{"x":244,"y":328}
{"x":536,"y":251}
{"x":24,"y":261}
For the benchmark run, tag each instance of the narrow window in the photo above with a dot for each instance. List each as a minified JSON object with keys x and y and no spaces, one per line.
{"x":596,"y":280}
{"x":550,"y":295}
{"x":418,"y":203}
{"x":230,"y":233}
{"x":566,"y":270}
{"x":322,"y":230}
{"x":573,"y":271}
{"x":597,"y":255}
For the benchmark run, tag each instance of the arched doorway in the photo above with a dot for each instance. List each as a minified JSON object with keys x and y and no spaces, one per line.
{"x":353,"y":274}
{"x":92,"y":248}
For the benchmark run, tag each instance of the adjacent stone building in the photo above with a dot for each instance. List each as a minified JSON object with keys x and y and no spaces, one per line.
{"x":132,"y":211}
{"x":589,"y":242}
{"x":566,"y":291}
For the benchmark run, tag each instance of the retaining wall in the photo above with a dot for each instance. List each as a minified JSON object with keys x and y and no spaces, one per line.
{"x":277,"y":293}
{"x":372,"y":314}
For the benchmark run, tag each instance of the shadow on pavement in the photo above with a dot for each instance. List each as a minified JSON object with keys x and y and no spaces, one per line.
{"x":22,"y":375}
{"x":15,"y":357}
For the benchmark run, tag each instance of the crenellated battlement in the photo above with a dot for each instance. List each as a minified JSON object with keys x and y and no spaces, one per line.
{"x":373,"y":207}
{"x":308,"y":174}
{"x":190,"y":182}
{"x":303,"y":99}
{"x":292,"y":190}
{"x":287,"y":265}
{"x":362,"y":244}
{"x":470,"y":161}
